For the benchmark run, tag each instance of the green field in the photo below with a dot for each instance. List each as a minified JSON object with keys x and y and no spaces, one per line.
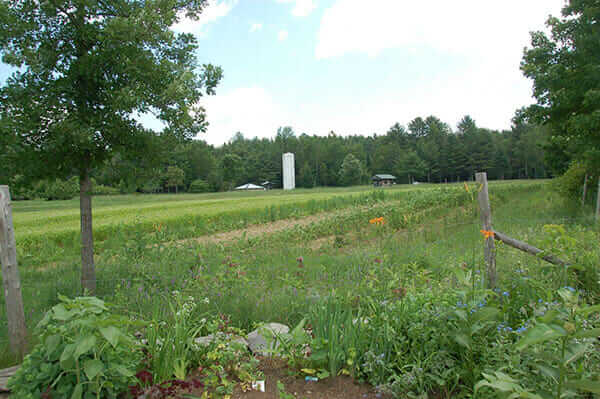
{"x":58,"y":221}
{"x":289,"y":256}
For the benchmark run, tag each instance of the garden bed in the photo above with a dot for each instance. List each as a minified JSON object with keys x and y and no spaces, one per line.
{"x":276,"y":370}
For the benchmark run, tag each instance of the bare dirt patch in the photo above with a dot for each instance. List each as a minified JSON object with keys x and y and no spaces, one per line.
{"x":331,"y":388}
{"x":258,"y":230}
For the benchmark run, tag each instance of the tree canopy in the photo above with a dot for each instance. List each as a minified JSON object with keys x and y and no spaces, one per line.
{"x":565,"y":69}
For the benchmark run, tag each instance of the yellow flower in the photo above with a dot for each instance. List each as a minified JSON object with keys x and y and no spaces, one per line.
{"x":466,"y":187}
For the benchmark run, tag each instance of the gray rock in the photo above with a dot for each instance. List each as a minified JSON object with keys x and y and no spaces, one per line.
{"x":207,"y":340}
{"x":257,"y":339}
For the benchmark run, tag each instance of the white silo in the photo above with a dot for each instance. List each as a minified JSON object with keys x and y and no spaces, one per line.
{"x":289,"y":175}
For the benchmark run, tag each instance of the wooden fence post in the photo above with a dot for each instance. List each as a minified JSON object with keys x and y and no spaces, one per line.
{"x":485,"y":213}
{"x":585,"y":179}
{"x":17,"y":331}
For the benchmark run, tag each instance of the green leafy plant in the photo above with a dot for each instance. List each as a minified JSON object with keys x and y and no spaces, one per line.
{"x":171,"y":345}
{"x":555,"y":344}
{"x":83,"y":353}
{"x":281,"y":392}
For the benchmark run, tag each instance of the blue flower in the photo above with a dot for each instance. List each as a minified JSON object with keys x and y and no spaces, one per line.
{"x":505,"y":293}
{"x":570,"y":288}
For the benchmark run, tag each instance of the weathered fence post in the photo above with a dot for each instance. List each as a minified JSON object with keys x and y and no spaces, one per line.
{"x":17,"y":331}
{"x":585,"y":179}
{"x":485,"y":213}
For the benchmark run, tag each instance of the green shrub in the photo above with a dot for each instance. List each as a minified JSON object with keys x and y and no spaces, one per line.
{"x":150,"y":186}
{"x":99,"y":189}
{"x":199,"y":186}
{"x":570,"y":185}
{"x":57,"y":189}
{"x":83,"y":353}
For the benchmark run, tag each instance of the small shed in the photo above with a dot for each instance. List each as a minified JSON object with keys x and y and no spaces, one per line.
{"x":267,"y":185}
{"x":250,"y":186}
{"x":383,"y":180}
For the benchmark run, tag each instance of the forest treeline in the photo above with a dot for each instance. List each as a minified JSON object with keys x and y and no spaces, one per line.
{"x":426,"y":150}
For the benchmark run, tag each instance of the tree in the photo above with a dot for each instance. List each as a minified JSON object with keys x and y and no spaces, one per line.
{"x":351,"y":172}
{"x":466,"y":125}
{"x":232,"y":170}
{"x":86,"y":69}
{"x":306,"y":177}
{"x":564,"y":69}
{"x":174,"y":177}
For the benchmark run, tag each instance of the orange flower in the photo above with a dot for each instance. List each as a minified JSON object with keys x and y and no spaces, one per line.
{"x":378,"y":221}
{"x":466,"y":187}
{"x":487,"y":234}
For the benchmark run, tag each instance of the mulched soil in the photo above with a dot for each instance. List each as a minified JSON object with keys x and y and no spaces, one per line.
{"x":331,"y":388}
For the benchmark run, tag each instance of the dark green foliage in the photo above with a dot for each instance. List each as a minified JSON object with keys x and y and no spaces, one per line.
{"x":306,"y":177}
{"x":564,"y":69}
{"x":56,"y":189}
{"x":173,"y":177}
{"x":83,"y":353}
{"x":570,"y":184}
{"x":199,"y":186}
{"x":351,"y":172}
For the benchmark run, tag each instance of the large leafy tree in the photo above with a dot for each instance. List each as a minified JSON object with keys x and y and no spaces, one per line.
{"x":351,"y":172}
{"x":86,"y":69}
{"x":565,"y":69}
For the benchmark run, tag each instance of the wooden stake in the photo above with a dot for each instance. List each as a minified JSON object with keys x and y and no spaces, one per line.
{"x":584,"y":190}
{"x":485,"y":213}
{"x":17,"y":331}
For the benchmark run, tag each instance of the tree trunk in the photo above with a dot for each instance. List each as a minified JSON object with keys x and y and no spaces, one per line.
{"x":88,"y":272}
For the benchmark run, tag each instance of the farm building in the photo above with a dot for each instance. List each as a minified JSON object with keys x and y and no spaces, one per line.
{"x":383,"y":180}
{"x":250,"y":186}
{"x":267,"y":184}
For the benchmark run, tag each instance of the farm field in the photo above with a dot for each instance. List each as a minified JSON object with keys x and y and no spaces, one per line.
{"x":40,"y":223}
{"x":391,"y":282}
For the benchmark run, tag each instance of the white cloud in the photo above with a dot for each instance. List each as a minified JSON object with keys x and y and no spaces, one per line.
{"x":282,"y":35}
{"x":250,"y":110}
{"x":256,"y":27}
{"x":302,"y":8}
{"x":461,"y":26}
{"x":214,"y":10}
{"x":488,"y":95}
{"x":485,"y":38}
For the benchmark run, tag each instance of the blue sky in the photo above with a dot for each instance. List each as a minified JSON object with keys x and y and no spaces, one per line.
{"x":358,"y":67}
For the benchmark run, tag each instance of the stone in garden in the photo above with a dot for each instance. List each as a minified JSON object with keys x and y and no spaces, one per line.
{"x":257,"y":339}
{"x":207,"y":340}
